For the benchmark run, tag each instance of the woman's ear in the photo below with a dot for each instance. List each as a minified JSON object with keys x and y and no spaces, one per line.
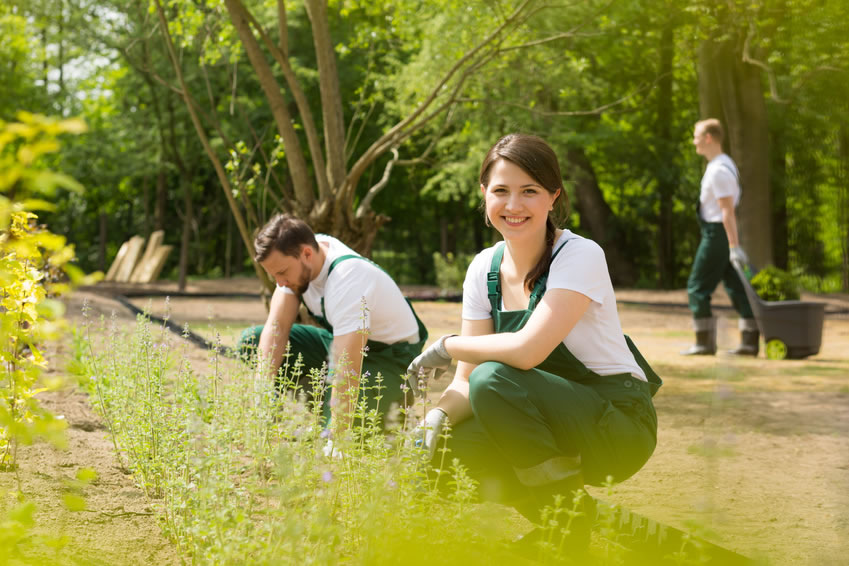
{"x":483,"y":189}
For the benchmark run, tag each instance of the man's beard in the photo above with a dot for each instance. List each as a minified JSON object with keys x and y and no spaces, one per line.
{"x":306,"y":277}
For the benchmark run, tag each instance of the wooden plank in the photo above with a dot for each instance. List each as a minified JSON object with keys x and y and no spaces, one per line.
{"x":150,"y":270}
{"x":130,"y":260}
{"x":116,"y":263}
{"x":153,"y":244}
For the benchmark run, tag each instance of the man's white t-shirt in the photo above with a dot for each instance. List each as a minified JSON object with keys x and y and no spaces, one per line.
{"x":596,"y":339}
{"x":359,"y":295}
{"x":719,"y":180}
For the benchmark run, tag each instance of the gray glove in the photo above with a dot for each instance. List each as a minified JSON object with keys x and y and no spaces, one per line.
{"x":426,"y":434}
{"x":434,"y":357}
{"x":737,"y":255}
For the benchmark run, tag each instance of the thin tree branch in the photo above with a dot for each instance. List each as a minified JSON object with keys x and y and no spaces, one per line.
{"x":365,"y":205}
{"x":595,"y":111}
{"x":219,"y":169}
{"x":281,"y":57}
{"x":747,"y":58}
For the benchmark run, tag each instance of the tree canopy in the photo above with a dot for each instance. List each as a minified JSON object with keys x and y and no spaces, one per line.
{"x":370,"y":119}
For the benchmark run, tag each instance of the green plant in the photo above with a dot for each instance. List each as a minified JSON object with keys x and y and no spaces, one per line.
{"x":33,"y":266}
{"x":34,"y":269}
{"x":238,"y":468}
{"x":774,"y":284}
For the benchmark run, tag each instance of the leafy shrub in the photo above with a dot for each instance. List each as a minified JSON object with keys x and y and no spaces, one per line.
{"x":774,"y":284}
{"x":34,"y":268}
{"x":451,"y":271}
{"x":33,"y":265}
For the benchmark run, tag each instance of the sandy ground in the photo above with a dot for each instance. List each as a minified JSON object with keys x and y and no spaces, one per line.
{"x":752,"y":454}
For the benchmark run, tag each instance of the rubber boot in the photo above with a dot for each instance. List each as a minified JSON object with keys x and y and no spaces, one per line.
{"x":705,"y":338}
{"x":750,"y":338}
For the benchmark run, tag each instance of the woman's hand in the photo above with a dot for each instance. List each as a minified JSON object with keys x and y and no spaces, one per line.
{"x":427,"y":433}
{"x":433,"y":357}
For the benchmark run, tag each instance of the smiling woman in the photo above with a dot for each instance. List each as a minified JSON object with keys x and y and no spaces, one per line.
{"x":548,"y":393}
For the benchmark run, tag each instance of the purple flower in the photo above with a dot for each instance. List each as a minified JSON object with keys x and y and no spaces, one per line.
{"x":327,"y":476}
{"x":325,"y":433}
{"x":391,"y":484}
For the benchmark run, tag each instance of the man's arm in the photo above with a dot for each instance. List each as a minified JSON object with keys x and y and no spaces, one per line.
{"x":346,"y":360}
{"x":275,"y":334}
{"x":729,"y":220}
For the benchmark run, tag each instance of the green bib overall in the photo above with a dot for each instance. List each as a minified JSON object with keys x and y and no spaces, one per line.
{"x":710,"y":266}
{"x":533,"y":428}
{"x":390,"y":360}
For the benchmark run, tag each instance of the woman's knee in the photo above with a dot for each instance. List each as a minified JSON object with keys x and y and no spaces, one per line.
{"x":487,"y":378}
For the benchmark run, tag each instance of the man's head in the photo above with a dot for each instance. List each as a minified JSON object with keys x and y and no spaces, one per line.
{"x":707,"y":137}
{"x":286,"y":248}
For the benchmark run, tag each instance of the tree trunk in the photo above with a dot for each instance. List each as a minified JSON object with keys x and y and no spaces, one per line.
{"x":667,"y":174}
{"x":731,"y":91}
{"x":277,"y":104}
{"x":778,"y":182}
{"x":161,"y":199}
{"x":101,"y":254}
{"x":843,"y":198}
{"x":146,"y":205}
{"x":210,"y":152}
{"x":331,"y":95}
{"x":185,"y":237}
{"x":597,"y":217}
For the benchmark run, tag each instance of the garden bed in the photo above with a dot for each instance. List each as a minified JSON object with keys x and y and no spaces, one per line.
{"x":752,"y":454}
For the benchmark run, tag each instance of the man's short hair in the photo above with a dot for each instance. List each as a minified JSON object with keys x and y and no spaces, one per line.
{"x":713,"y":127}
{"x":286,"y":234}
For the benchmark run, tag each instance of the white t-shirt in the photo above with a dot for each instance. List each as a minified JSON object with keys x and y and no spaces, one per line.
{"x":359,"y":295}
{"x":720,"y":180}
{"x":597,"y":339}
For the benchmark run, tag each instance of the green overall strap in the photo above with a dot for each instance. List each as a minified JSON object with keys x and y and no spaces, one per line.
{"x":539,"y":287}
{"x":493,"y":279}
{"x":335,"y":262}
{"x":373,"y":345}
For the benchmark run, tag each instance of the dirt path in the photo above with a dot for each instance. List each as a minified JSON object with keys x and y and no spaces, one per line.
{"x":119,"y":524}
{"x":752,"y":453}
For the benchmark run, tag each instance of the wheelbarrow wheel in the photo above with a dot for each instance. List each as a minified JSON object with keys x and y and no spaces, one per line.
{"x":776,"y":349}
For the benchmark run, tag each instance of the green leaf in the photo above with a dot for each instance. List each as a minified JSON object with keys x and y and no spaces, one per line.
{"x":73,"y":502}
{"x":86,"y":475}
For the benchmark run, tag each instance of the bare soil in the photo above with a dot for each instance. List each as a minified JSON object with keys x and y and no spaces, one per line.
{"x":752,"y":454}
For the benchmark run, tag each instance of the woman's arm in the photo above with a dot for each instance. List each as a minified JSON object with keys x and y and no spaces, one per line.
{"x":455,"y":398}
{"x":552,"y":320}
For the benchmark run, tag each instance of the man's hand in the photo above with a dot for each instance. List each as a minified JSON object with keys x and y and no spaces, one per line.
{"x":434,"y":357}
{"x":736,"y":254}
{"x":426,"y":435}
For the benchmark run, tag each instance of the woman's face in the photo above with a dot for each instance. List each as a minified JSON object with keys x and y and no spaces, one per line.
{"x":516,"y":204}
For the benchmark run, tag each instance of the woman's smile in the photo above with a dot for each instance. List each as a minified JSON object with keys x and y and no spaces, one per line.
{"x":516,"y":203}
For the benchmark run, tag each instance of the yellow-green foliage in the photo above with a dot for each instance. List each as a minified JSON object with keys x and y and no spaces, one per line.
{"x":774,"y":284}
{"x":33,"y":267}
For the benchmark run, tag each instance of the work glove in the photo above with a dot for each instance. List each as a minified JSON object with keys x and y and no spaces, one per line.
{"x":434,"y":357}
{"x":426,"y":434}
{"x":738,"y":256}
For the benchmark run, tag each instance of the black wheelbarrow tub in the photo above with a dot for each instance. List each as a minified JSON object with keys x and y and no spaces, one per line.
{"x":791,"y":329}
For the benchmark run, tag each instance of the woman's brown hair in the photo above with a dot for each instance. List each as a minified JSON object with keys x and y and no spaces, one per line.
{"x":536,"y":158}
